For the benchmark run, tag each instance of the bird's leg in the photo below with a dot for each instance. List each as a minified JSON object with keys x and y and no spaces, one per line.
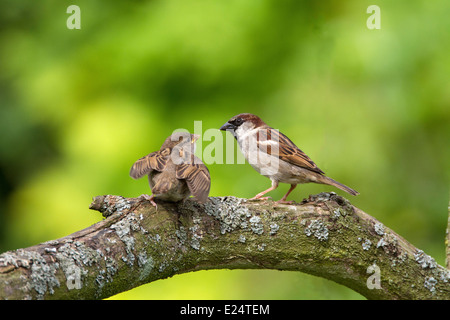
{"x":150,"y":198}
{"x":283,"y":200}
{"x":259,"y":195}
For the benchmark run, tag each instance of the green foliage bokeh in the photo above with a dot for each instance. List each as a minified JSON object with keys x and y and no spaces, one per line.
{"x":78,"y":107}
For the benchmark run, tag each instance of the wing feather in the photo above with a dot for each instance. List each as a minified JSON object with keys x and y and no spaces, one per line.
{"x":154,"y":161}
{"x":197,"y":177}
{"x":286,"y":151}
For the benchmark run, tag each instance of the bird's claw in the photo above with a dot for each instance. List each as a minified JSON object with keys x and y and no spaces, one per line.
{"x":150,"y":198}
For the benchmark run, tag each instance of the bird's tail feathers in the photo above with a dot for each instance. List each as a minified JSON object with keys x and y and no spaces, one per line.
{"x":329,"y":181}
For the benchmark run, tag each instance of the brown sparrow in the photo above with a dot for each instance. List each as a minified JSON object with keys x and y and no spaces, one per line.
{"x":174,"y":172}
{"x":275,"y":156}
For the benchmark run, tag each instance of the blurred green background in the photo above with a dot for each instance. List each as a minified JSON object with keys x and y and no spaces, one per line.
{"x":78,"y":107}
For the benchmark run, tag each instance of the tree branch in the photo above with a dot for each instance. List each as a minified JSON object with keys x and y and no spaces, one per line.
{"x":135,"y":244}
{"x":447,"y":239}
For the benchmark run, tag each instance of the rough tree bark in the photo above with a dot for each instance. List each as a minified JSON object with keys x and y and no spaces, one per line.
{"x":135,"y":244}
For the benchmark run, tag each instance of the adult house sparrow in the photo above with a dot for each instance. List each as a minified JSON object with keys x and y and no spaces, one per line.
{"x":174,"y":172}
{"x":275,"y":156}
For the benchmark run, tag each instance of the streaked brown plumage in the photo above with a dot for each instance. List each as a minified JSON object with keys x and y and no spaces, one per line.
{"x":174,"y":172}
{"x":275,"y":156}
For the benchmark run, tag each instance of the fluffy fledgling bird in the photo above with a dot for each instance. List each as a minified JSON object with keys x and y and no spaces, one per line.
{"x":174,"y":172}
{"x":275,"y":156}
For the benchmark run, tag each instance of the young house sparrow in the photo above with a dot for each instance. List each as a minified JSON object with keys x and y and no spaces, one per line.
{"x":275,"y":156}
{"x":174,"y":172}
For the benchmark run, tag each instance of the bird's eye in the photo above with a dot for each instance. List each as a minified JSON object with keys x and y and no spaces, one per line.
{"x":238,"y":122}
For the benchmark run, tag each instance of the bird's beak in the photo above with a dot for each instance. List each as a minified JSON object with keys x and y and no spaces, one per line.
{"x":227,"y":126}
{"x":195,"y":138}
